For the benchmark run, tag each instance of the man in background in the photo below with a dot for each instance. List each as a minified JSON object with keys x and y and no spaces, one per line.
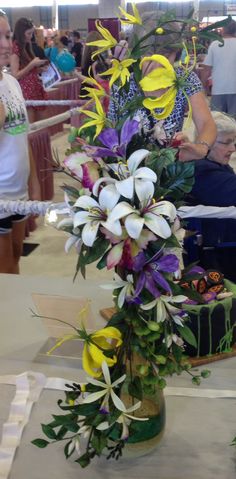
{"x":220,"y":64}
{"x":76,"y":50}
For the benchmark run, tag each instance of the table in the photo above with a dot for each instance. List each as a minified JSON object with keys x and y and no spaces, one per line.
{"x":198,"y":430}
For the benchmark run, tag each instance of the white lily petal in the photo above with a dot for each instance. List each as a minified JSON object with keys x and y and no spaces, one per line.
{"x":126,"y":187}
{"x":103,"y":426}
{"x":117,"y":401}
{"x":164,"y":208}
{"x":70,"y":242}
{"x":89,"y":233}
{"x":180,"y":298}
{"x":86,"y":202}
{"x":145,"y":174}
{"x":104,"y":179}
{"x":96,"y":382}
{"x":137,"y":418}
{"x":108,"y":197}
{"x":157,"y":225}
{"x":136,"y":158}
{"x":133,"y":408}
{"x":80,"y":218}
{"x":94,"y":396}
{"x":148,"y":306}
{"x":120,"y":210}
{"x":118,"y":381}
{"x":106,"y":373}
{"x":178,"y":320}
{"x":161,"y":311}
{"x":134,"y":225}
{"x":144,"y":190}
{"x":119,"y":280}
{"x":121,"y":297}
{"x":114,"y":227}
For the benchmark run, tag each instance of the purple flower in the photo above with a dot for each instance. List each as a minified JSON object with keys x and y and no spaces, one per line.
{"x":150,"y":270}
{"x":116,"y":146}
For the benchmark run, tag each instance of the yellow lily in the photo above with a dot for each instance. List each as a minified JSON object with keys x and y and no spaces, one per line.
{"x":162,"y":77}
{"x":98,"y":118}
{"x":131,"y":19}
{"x":96,"y":88}
{"x":120,"y":70}
{"x":108,"y":40}
{"x":93,"y":356}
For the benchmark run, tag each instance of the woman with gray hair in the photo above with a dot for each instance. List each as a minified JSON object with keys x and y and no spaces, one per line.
{"x":215,"y":180}
{"x":168,"y":44}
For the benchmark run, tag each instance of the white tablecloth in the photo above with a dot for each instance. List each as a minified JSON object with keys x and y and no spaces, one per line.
{"x":198,"y":430}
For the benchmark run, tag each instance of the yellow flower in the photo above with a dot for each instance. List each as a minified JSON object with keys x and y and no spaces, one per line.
{"x":131,"y":19}
{"x":93,"y":356}
{"x":159,"y":31}
{"x":193,"y":29}
{"x":108,"y":40}
{"x":98,"y":118}
{"x":96,"y":88}
{"x":119,"y":70}
{"x":164,"y":77}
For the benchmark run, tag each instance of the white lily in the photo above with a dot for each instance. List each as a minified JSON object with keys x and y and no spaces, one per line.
{"x":150,"y":216}
{"x":125,"y":419}
{"x":106,"y":390}
{"x":173,"y":338}
{"x":131,"y":178}
{"x":165,"y":308}
{"x":73,"y":240}
{"x":95,"y":213}
{"x":75,"y":443}
{"x":127,"y":287}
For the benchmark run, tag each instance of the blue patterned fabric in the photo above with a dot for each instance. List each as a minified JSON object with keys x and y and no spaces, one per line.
{"x":174,"y":122}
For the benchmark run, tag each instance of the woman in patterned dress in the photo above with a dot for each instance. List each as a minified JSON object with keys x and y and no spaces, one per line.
{"x":25,"y":67}
{"x":172,"y":126}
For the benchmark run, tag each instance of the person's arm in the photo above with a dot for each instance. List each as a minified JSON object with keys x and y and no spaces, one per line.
{"x":20,"y":73}
{"x":206,"y":130}
{"x":205,"y":75}
{"x":33,"y":182}
{"x":2,"y":115}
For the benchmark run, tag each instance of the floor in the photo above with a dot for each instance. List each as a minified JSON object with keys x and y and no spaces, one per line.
{"x":49,"y":258}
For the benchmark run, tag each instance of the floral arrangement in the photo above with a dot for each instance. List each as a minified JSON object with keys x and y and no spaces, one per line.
{"x":123,"y":216}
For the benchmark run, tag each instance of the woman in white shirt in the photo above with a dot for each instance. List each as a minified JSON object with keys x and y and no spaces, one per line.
{"x":17,"y":172}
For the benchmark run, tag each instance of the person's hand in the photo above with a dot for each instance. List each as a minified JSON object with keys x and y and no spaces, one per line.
{"x":2,"y":114}
{"x":192,"y":151}
{"x":37,"y":62}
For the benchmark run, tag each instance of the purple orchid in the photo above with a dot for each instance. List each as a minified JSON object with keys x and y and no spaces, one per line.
{"x":116,"y":146}
{"x":150,"y":272}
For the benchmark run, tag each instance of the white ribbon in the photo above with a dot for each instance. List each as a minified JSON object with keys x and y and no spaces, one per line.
{"x":29,"y":386}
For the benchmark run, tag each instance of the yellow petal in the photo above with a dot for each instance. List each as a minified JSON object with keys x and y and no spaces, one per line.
{"x":89,"y":365}
{"x":162,"y":101}
{"x":159,"y":59}
{"x":165,"y":113}
{"x":109,"y":332}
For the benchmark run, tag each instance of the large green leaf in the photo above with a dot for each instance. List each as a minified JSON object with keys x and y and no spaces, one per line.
{"x":187,"y":335}
{"x":178,"y":179}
